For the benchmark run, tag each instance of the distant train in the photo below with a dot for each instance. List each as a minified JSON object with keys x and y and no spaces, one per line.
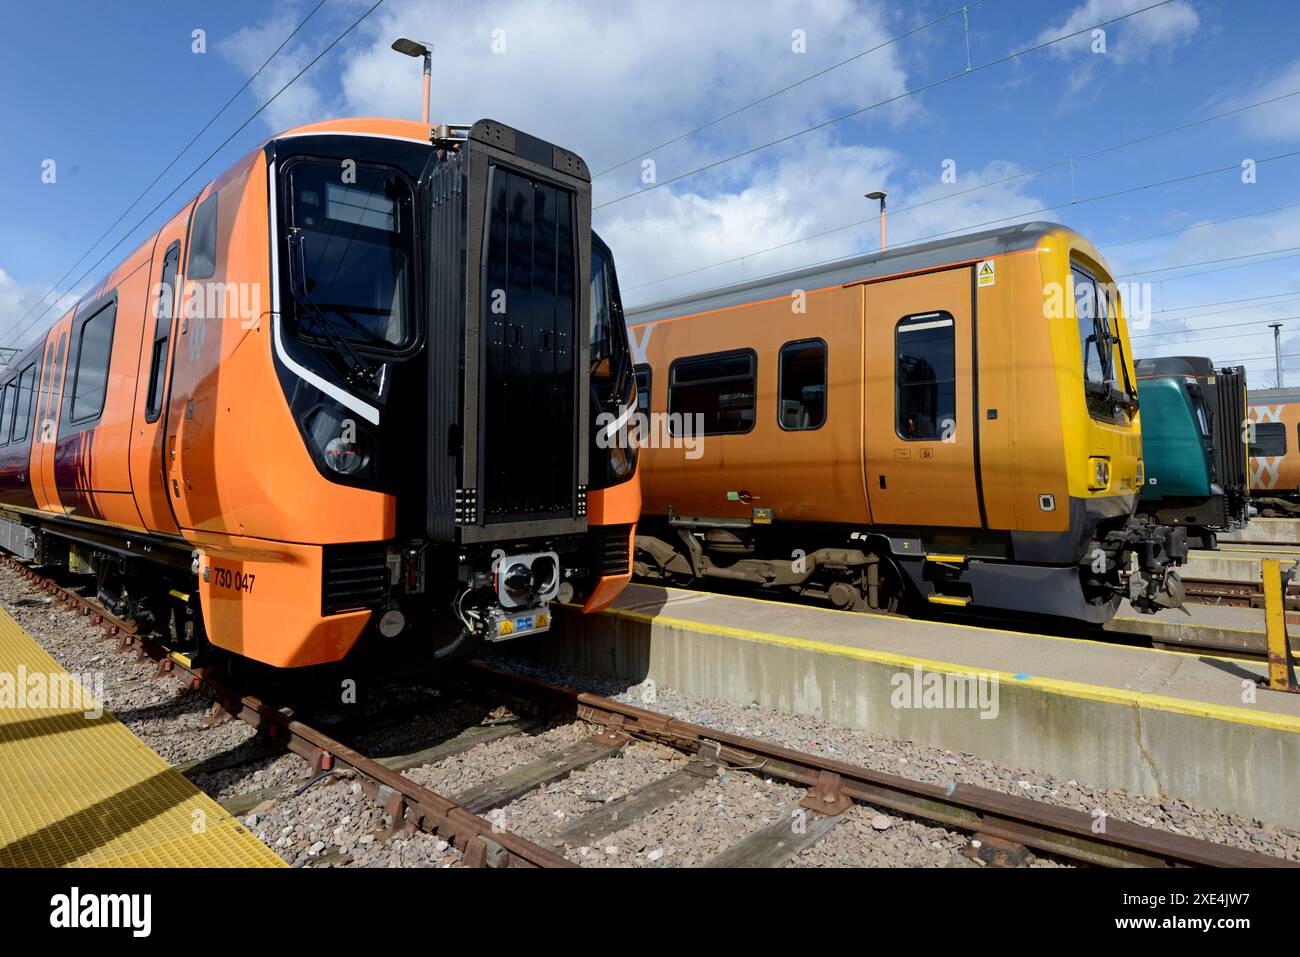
{"x":953,"y":422}
{"x":1194,"y":445}
{"x":349,"y":390}
{"x":1274,"y":434}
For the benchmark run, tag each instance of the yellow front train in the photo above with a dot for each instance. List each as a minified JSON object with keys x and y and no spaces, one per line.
{"x":954,"y":422}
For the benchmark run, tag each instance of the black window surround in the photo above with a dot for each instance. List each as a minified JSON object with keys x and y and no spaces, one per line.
{"x":165,"y":312}
{"x":201,"y":261}
{"x":780,"y":384}
{"x":90,"y":381}
{"x":1268,"y":440}
{"x":926,"y":425}
{"x":691,"y":375}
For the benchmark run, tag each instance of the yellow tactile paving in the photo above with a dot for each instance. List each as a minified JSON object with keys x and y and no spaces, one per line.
{"x":78,"y":791}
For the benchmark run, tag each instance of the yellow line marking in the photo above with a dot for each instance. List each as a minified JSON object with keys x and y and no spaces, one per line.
{"x":1072,"y":689}
{"x":955,"y":559}
{"x":1094,"y":642}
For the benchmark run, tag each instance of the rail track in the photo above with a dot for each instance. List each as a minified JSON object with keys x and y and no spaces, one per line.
{"x":1006,"y":827}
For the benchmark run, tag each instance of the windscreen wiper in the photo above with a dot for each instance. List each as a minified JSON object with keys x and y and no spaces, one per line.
{"x":357,"y":371}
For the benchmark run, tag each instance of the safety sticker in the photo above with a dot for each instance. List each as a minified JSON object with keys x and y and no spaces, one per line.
{"x":986,"y":273}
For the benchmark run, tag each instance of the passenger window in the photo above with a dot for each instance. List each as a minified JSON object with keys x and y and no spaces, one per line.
{"x":50,"y":386}
{"x":7,"y":411}
{"x":926,"y":376}
{"x":720,"y":388}
{"x":801,"y":403}
{"x":164,"y":309}
{"x":202,"y":263}
{"x":23,"y":412}
{"x":94,"y":348}
{"x":643,"y":380}
{"x":1270,"y":440}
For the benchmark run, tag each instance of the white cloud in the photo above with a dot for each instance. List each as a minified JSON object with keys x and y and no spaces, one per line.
{"x":815,"y":192}
{"x":609,"y":82}
{"x":19,"y":309}
{"x":1280,"y":121}
{"x":1242,"y":296}
{"x":1133,"y":39}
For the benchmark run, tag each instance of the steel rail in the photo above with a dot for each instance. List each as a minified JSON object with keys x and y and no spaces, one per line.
{"x":409,"y":805}
{"x":1061,"y":831}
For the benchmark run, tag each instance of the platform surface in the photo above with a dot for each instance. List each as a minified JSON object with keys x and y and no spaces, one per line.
{"x":1207,"y":685}
{"x":78,"y":789}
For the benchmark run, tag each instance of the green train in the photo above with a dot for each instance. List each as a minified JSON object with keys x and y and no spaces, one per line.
{"x":1193,"y":446}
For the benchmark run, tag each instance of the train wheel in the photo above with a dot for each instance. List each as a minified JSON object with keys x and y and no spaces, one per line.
{"x":878,"y":589}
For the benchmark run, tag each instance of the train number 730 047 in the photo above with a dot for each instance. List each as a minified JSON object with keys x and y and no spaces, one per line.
{"x":231,"y":579}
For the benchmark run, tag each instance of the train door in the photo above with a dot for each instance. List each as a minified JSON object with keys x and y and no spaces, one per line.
{"x":47,"y":418}
{"x":921,"y":433}
{"x":149,"y":468}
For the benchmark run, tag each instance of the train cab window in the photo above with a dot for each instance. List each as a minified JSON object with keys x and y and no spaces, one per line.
{"x":1105,"y":372}
{"x":1088,"y":309}
{"x":926,"y":376}
{"x":164,"y":309}
{"x":1269,"y":440}
{"x":801,"y":391}
{"x":23,"y":411}
{"x":720,"y":388}
{"x":643,"y":380}
{"x":202,"y":263}
{"x":350,"y":250}
{"x":94,"y":348}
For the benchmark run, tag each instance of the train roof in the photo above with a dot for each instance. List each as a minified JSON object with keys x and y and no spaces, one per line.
{"x":1175,"y":365}
{"x":1273,"y":395}
{"x":902,"y":259}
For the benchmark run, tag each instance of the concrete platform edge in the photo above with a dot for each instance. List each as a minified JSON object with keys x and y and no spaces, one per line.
{"x":1232,"y":758}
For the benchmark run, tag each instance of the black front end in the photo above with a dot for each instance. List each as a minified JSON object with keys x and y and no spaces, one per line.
{"x":507,"y":356}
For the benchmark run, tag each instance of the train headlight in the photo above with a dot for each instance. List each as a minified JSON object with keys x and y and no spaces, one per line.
{"x":1099,"y":469}
{"x":339,"y":442}
{"x":346,"y":458}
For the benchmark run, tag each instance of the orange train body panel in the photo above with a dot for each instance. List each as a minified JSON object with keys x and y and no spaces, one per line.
{"x":1274,"y":438}
{"x":1010,"y":460}
{"x":163,"y":421}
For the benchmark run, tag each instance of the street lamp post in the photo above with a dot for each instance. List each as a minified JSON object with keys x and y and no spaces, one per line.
{"x":1277,"y":349}
{"x":880,"y":196}
{"x":414,"y":48}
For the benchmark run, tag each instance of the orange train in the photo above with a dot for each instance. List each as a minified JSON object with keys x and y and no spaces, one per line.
{"x":1273,"y":434}
{"x":954,"y":423}
{"x":348,"y":391}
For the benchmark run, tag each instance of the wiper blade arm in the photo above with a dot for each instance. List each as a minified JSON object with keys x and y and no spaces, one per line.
{"x":357,"y":371}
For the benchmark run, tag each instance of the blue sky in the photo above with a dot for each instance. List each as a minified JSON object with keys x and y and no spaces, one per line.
{"x":612,"y":81}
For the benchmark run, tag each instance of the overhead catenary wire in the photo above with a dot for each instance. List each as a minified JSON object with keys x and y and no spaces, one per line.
{"x":893,"y":99}
{"x":1006,"y":179}
{"x":990,"y":222}
{"x":16,"y":335}
{"x":166,"y":169}
{"x":786,"y":89}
